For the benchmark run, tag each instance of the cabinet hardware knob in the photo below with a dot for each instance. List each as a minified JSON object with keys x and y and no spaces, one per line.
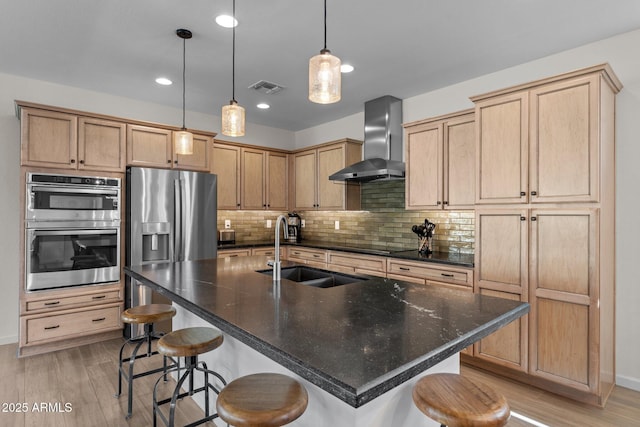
{"x":99,"y":319}
{"x":445,"y":203}
{"x":73,"y":160}
{"x":522,"y":218}
{"x":52,"y":303}
{"x":175,"y":161}
{"x":82,"y":162}
{"x":168,"y":161}
{"x":268,"y":205}
{"x":534,"y":193}
{"x":533,"y":218}
{"x":438,"y":203}
{"x":522,"y":194}
{"x":238,"y":205}
{"x":99,"y":297}
{"x":46,"y":328}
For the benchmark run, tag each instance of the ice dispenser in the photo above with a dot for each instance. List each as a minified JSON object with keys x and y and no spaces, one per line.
{"x":156,"y":238}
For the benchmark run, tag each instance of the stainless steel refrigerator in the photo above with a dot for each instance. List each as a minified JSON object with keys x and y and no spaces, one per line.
{"x":171,"y":216}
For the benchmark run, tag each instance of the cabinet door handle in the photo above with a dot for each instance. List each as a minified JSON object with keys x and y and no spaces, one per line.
{"x":168,"y":161}
{"x":445,"y":203}
{"x":52,"y":303}
{"x":522,"y":194}
{"x":438,"y":203}
{"x":99,"y":319}
{"x":446,"y":274}
{"x":73,"y":160}
{"x":82,"y":162}
{"x":99,"y":297}
{"x":405,"y":268}
{"x":316,"y":256}
{"x":533,"y":218}
{"x":46,"y":328}
{"x":175,"y":161}
{"x":522,"y":218}
{"x":534,"y":193}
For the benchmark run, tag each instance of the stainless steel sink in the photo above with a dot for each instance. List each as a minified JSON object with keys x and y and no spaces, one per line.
{"x":316,"y":277}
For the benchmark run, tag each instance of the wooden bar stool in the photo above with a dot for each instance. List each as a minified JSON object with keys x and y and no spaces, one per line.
{"x":455,"y":401}
{"x":188,"y":343}
{"x":264,"y":400}
{"x":147,"y":315}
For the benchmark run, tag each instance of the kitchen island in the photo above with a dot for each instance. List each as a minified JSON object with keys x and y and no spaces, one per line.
{"x":357,"y":347}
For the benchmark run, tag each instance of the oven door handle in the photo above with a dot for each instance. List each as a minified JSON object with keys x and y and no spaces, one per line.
{"x":70,"y":231}
{"x":35,"y":189}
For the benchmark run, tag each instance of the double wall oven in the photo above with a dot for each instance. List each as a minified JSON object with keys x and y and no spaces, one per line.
{"x":72,"y":231}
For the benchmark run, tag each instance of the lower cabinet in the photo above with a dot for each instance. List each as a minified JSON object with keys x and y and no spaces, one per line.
{"x":52,"y":320}
{"x":312,"y":257}
{"x":354,"y":263}
{"x":231,"y":253}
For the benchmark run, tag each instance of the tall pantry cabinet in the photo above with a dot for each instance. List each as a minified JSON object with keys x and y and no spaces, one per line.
{"x":545,"y":221}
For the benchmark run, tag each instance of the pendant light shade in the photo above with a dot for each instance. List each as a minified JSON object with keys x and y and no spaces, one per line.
{"x":233,"y":114}
{"x":233,"y":119}
{"x":183,"y":140}
{"x":325,"y":80}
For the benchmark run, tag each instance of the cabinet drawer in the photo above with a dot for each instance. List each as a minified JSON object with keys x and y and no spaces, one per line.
{"x":73,"y":301}
{"x":297,"y":254}
{"x":230,"y":253}
{"x":358,"y":263}
{"x":447,"y":274}
{"x":69,"y":325}
{"x":269,"y":251}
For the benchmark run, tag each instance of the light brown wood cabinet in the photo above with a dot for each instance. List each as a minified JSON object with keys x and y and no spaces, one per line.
{"x":225,"y":163}
{"x":54,"y":139}
{"x":264,"y":179}
{"x":440,"y":159}
{"x":232,"y":253}
{"x":347,"y":262}
{"x":541,"y":144}
{"x":310,"y":256}
{"x":311,"y":170}
{"x":149,"y":146}
{"x":545,"y":229}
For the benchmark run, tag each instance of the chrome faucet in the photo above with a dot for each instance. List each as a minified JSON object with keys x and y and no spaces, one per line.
{"x":276,"y":263}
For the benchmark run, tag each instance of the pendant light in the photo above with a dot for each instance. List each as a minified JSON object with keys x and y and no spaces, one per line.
{"x":325,"y":80}
{"x":183,"y":140}
{"x":233,"y":114}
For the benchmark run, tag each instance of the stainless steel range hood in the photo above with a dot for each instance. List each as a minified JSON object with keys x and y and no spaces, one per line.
{"x":382,"y":150}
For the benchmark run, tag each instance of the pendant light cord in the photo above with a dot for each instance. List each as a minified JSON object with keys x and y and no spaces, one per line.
{"x":184,"y":67}
{"x":233,"y":56}
{"x":325,"y":24}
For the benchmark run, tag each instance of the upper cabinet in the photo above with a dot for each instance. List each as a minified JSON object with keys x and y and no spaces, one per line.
{"x":311,"y":170}
{"x":540,"y":143}
{"x":53,"y":139}
{"x":225,"y":163}
{"x":440,"y":159}
{"x":264,"y":179}
{"x":153,"y":147}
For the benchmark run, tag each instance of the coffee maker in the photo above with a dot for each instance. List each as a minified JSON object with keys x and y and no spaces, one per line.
{"x":294,"y":224}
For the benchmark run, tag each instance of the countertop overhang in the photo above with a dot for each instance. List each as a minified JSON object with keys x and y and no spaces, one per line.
{"x":355,"y":341}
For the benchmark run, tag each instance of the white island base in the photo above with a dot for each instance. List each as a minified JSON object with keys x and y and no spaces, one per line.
{"x":395,"y":408}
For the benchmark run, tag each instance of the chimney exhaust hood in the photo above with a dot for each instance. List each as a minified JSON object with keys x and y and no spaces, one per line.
{"x":382,"y":149}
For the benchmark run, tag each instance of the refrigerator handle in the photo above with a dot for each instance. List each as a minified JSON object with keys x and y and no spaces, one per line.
{"x":177,"y":227}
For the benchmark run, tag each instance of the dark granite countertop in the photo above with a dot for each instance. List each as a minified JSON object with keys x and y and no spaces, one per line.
{"x":354,"y":341}
{"x":450,"y":258}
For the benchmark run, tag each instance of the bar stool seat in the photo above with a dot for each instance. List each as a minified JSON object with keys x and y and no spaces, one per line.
{"x":147,"y":315}
{"x":456,"y":401}
{"x":265,"y":400}
{"x":188,"y":343}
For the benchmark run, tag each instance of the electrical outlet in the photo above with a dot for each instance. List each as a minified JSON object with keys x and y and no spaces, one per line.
{"x":268,"y":223}
{"x":337,"y":225}
{"x":302,"y":223}
{"x":227,"y":223}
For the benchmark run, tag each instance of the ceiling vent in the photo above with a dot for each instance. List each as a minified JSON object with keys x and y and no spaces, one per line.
{"x":266,"y":87}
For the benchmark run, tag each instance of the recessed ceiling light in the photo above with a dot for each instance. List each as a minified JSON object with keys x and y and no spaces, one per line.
{"x":263,"y":106}
{"x":163,"y":81}
{"x":346,"y":68}
{"x":226,"y":21}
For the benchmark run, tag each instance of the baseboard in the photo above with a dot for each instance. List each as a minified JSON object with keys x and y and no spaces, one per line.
{"x":628,"y":382}
{"x":11,"y":339}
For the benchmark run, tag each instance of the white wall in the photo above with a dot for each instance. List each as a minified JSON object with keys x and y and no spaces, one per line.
{"x":14,"y":87}
{"x":621,"y":53}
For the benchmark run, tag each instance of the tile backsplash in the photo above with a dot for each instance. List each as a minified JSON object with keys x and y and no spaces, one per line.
{"x":382,"y":223}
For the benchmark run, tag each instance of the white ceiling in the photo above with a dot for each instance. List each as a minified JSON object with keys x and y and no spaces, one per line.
{"x":400,"y":48}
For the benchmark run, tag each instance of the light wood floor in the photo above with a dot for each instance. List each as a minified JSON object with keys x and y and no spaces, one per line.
{"x":86,"y":378}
